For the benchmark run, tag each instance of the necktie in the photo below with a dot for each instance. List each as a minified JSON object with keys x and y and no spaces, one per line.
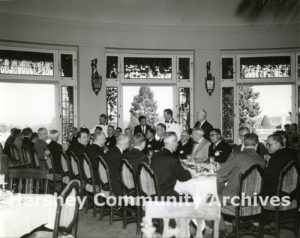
{"x":143,"y":128}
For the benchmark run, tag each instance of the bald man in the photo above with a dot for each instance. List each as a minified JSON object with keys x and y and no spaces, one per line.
{"x":201,"y":146}
{"x":203,"y":123}
{"x":185,"y":145}
{"x":167,"y":167}
{"x":113,"y":158}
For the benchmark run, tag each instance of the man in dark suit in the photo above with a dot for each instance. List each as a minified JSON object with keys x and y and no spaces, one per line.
{"x":203,"y":123}
{"x":219,"y":150}
{"x":143,"y":127}
{"x":10,"y":141}
{"x":96,"y":150}
{"x":160,"y":132}
{"x":55,"y":150}
{"x":27,"y":142}
{"x":150,"y":141}
{"x":82,"y":142}
{"x":114,"y":157}
{"x":280,"y":157}
{"x":111,"y":139}
{"x":185,"y":145}
{"x":40,"y":148}
{"x":237,"y":163}
{"x":167,"y":168}
{"x":260,"y":148}
{"x":135,"y":156}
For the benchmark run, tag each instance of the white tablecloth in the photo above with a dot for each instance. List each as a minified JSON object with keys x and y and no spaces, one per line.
{"x":19,"y":218}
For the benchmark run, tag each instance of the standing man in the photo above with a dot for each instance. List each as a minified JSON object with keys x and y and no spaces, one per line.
{"x":102,"y":123}
{"x":143,"y":127}
{"x":219,"y":150}
{"x":203,"y":123}
{"x":171,"y":125}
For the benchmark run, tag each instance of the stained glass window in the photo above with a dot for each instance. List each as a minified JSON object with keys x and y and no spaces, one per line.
{"x":228,"y":114}
{"x":184,"y":107}
{"x":66,"y":64}
{"x":112,"y":67}
{"x":147,"y":68}
{"x":26,"y":63}
{"x":265,"y":67}
{"x":227,"y":68}
{"x":112,"y":105}
{"x":184,"y":68}
{"x":67,"y":107}
{"x":299,"y":66}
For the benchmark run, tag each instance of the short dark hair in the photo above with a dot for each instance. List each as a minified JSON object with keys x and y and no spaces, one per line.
{"x":250,"y":139}
{"x":82,"y":131}
{"x":162,"y":125}
{"x":281,"y":133}
{"x":34,"y":135}
{"x":138,"y":138}
{"x":152,"y":130}
{"x":27,"y":131}
{"x":99,"y":128}
{"x":119,"y":129}
{"x":141,"y":118}
{"x":216,"y":130}
{"x":168,"y":111}
{"x":277,"y":137}
{"x":103,"y":116}
{"x":16,"y":132}
{"x":110,"y":126}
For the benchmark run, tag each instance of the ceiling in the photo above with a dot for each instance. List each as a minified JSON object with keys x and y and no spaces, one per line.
{"x":159,"y":12}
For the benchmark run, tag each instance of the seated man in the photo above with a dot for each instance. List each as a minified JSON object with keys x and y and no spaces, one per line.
{"x":135,"y":156}
{"x":237,"y":163}
{"x":96,"y":150}
{"x":201,"y":146}
{"x":160,"y":133}
{"x":260,"y":148}
{"x":55,"y":150}
{"x":10,"y":140}
{"x":166,"y":167}
{"x":82,"y":141}
{"x":40,"y":148}
{"x":280,"y":157}
{"x":111,"y":139}
{"x":185,"y":145}
{"x":114,"y":157}
{"x":143,"y":127}
{"x":27,"y":142}
{"x":150,"y":141}
{"x":219,"y":150}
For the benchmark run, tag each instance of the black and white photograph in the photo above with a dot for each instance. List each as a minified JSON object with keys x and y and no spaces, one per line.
{"x":139,"y":118}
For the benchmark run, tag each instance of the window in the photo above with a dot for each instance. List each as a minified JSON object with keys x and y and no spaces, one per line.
{"x":227,"y":68}
{"x":66,"y":63}
{"x":67,"y":111}
{"x":228,"y":113}
{"x":184,"y":107}
{"x":112,"y":67}
{"x":26,"y":63}
{"x":298,"y":68}
{"x":265,"y":67}
{"x":112,"y":105}
{"x":184,"y":68}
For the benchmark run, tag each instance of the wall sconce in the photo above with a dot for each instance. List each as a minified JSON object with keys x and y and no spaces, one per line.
{"x":209,"y":80}
{"x":96,"y":78}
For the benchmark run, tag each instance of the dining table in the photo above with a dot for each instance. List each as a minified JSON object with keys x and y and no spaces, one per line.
{"x":22,"y":213}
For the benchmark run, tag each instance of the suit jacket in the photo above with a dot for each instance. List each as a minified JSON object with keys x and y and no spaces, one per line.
{"x":220,"y":152}
{"x":206,"y":127}
{"x":238,"y":162}
{"x":200,"y":151}
{"x":159,"y":144}
{"x":113,"y":158}
{"x":168,"y":170}
{"x":40,"y":147}
{"x":150,"y":146}
{"x":184,"y":150}
{"x":27,"y":142}
{"x":138,"y":129}
{"x":261,"y":149}
{"x":110,"y":142}
{"x":93,"y":153}
{"x":135,"y":157}
{"x":9,"y":141}
{"x":55,"y":150}
{"x":276,"y":163}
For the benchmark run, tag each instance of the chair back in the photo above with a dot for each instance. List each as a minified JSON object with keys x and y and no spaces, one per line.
{"x":147,"y":180}
{"x":49,"y":163}
{"x":36,"y":160}
{"x":14,"y":153}
{"x":27,"y":180}
{"x":74,"y":164}
{"x":104,"y":175}
{"x":87,"y":168}
{"x":64,"y":163}
{"x":288,"y":180}
{"x":251,"y":181}
{"x":27,"y":157}
{"x":1,"y":149}
{"x":128,"y":179}
{"x":67,"y":211}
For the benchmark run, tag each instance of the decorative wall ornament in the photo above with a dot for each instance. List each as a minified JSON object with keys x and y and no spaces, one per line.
{"x":96,"y":78}
{"x":209,"y":80}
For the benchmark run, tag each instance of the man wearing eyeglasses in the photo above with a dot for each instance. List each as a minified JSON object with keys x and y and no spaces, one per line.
{"x":219,"y":150}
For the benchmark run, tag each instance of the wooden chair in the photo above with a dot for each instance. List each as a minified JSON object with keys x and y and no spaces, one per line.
{"x":36,"y":161}
{"x":76,"y":168}
{"x":66,"y":220}
{"x":106,"y":191}
{"x":91,"y":188}
{"x":14,"y":156}
{"x":147,"y":181}
{"x":287,"y":186}
{"x":53,"y":178}
{"x":66,"y":169}
{"x":27,"y":180}
{"x":183,"y":214}
{"x":27,"y":157}
{"x":1,"y":149}
{"x":130,"y":190}
{"x":250,"y":183}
